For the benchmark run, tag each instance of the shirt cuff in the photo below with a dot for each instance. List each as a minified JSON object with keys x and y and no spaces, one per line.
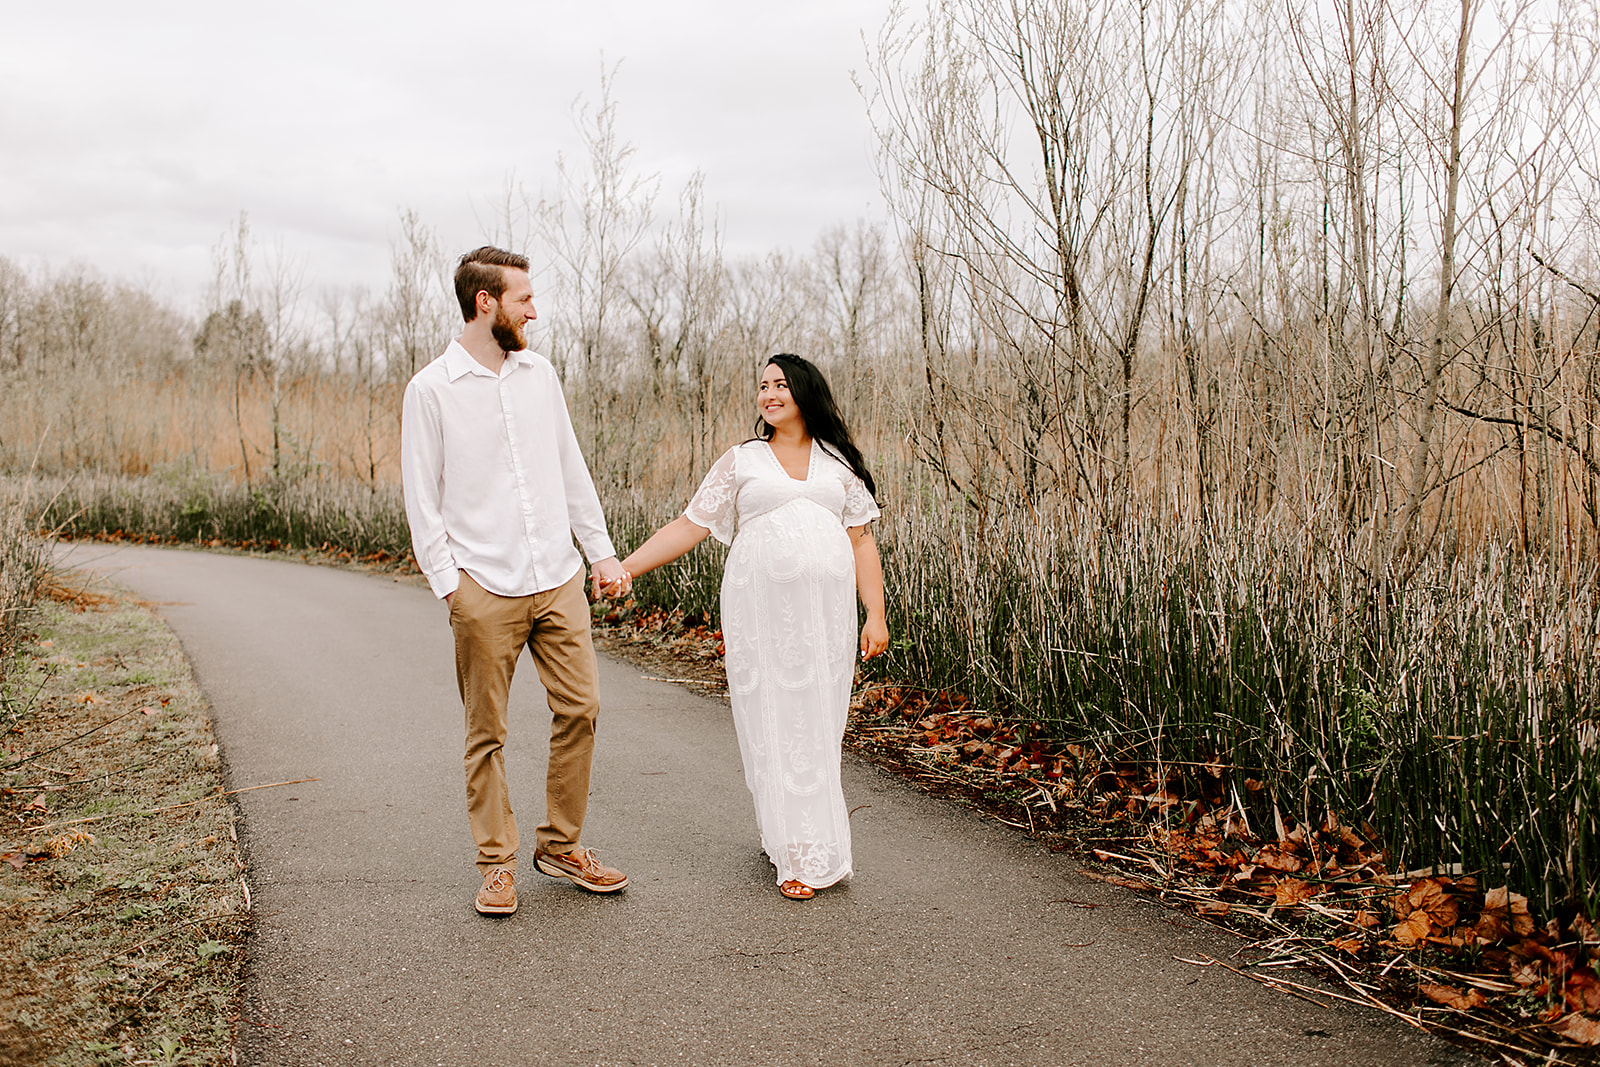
{"x":599,"y":548}
{"x":444,"y":582}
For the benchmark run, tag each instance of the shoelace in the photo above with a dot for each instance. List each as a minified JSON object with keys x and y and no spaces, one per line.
{"x":497,"y":880}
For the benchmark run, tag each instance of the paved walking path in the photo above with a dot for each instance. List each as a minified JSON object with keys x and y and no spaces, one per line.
{"x":957,"y":942}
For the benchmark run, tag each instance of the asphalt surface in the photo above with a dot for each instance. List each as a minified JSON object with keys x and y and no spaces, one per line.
{"x":958,"y":941}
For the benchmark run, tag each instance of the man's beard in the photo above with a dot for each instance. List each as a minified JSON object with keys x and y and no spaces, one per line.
{"x":507,"y":333}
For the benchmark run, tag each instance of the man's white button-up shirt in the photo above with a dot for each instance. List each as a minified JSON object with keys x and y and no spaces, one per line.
{"x":495,"y":484}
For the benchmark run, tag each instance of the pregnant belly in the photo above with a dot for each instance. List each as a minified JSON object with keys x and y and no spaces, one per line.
{"x":795,"y":543}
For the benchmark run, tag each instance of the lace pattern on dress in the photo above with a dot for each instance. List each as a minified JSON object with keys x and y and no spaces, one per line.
{"x":713,"y":504}
{"x":859,"y":507}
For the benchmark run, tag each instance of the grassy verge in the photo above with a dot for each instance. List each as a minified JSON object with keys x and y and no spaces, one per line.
{"x":120,"y":880}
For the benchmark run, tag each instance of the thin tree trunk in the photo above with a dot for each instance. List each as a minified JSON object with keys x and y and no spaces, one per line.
{"x":1447,"y":275}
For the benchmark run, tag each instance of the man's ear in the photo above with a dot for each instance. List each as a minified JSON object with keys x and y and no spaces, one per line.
{"x":485,"y":302}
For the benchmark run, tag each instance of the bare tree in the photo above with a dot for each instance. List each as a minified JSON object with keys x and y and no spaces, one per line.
{"x":596,"y":217}
{"x":678,"y":296}
{"x":1053,"y":225}
{"x":419,"y":306}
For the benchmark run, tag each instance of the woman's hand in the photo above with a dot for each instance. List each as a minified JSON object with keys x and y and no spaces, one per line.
{"x":874,"y":636}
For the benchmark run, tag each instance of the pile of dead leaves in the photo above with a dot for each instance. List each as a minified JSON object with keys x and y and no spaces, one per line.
{"x":938,"y":734}
{"x":1443,"y":939}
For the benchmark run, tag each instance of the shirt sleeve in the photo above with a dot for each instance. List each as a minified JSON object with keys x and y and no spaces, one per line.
{"x":859,"y":507}
{"x":715,"y":504}
{"x":422,"y":478}
{"x":588,"y":519}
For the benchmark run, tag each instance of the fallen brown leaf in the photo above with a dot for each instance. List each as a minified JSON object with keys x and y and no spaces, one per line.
{"x":1413,"y":930}
{"x":62,"y":844}
{"x":1529,"y":975}
{"x":1290,"y":891}
{"x":1451,"y":997}
{"x":1432,"y":896}
{"x":1504,"y":913}
{"x":1583,"y":993}
{"x":1275,"y":858}
{"x":1579,"y":1028}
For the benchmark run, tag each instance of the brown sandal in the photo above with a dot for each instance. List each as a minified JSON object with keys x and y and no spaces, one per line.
{"x":797,"y":890}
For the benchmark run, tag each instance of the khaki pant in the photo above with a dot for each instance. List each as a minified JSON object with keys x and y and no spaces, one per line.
{"x":490,"y":632}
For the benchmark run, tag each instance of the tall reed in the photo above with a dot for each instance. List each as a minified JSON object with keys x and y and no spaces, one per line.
{"x":195,"y":506}
{"x":1452,"y":708}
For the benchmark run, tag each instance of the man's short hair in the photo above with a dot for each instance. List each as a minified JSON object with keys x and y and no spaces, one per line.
{"x":483,"y":270}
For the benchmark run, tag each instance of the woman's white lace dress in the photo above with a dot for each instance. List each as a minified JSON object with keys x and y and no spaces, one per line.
{"x":789,"y":627}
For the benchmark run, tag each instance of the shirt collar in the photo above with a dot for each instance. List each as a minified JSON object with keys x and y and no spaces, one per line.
{"x":458,"y":361}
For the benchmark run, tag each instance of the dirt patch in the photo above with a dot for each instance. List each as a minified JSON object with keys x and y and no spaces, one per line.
{"x":122,"y":893}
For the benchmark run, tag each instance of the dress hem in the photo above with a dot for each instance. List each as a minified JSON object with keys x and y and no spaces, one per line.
{"x":835,"y":880}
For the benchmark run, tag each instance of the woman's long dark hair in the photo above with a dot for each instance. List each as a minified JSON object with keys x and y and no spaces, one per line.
{"x":823,"y":421}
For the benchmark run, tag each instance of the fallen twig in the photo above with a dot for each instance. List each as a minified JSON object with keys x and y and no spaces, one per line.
{"x":14,"y":713}
{"x":685,"y":681}
{"x":45,"y":752}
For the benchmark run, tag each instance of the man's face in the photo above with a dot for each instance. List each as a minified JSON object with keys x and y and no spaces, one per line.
{"x":513,"y":311}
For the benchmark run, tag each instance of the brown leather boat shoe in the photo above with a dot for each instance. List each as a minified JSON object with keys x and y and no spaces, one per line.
{"x":581,"y":867}
{"x":499,"y":893}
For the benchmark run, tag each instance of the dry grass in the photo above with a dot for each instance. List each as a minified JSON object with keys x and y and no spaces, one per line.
{"x":23,"y":566}
{"x":208,"y":419}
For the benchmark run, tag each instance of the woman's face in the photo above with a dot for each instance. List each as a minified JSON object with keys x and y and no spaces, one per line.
{"x":774,"y":400}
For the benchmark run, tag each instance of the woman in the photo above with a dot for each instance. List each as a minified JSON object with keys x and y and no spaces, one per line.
{"x":800,"y":496}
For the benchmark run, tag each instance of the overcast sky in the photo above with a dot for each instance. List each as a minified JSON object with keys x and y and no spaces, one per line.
{"x":132,"y":134}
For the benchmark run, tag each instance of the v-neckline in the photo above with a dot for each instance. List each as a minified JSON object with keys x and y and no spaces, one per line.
{"x":811,"y":456}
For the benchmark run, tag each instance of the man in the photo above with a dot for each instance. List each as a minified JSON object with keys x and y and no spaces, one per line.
{"x":495,"y":489}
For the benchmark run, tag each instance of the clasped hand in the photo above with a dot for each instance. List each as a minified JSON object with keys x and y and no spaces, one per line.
{"x":610,"y":580}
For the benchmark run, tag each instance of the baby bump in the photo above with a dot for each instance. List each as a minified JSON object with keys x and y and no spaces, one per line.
{"x":796,"y":542}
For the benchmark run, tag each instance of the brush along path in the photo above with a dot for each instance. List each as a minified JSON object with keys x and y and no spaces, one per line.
{"x":122,"y":909}
{"x":956,"y":941}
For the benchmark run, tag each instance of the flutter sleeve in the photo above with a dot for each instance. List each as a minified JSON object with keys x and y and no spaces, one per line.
{"x":714,"y":504}
{"x":859,"y":507}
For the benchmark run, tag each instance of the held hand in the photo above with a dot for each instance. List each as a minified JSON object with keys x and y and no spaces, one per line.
{"x":622,"y":586}
{"x":610,"y":580}
{"x":874,"y":637}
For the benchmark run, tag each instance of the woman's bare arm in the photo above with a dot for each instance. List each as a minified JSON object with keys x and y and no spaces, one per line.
{"x":665,"y":545}
{"x":869,"y":583}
